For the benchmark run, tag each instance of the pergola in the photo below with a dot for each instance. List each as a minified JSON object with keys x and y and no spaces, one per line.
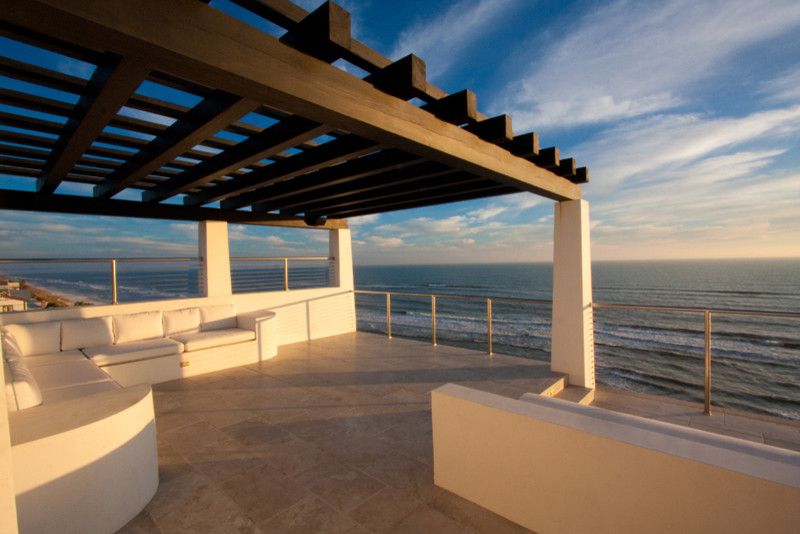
{"x":338,"y":145}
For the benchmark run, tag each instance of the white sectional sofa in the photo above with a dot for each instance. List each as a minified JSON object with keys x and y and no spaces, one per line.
{"x":81,"y":410}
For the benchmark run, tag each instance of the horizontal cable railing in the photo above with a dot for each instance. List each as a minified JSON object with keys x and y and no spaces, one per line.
{"x":113,"y":280}
{"x":250,"y":274}
{"x":707,"y":313}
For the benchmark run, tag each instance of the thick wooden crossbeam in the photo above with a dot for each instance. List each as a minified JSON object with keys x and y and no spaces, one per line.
{"x":495,"y":129}
{"x":525,"y":145}
{"x":458,"y":108}
{"x":208,"y":117}
{"x":269,"y":142}
{"x":581,"y":175}
{"x":114,"y":80}
{"x":57,"y":203}
{"x":405,"y":78}
{"x":548,"y":157}
{"x":201,"y":43}
{"x":350,"y":171}
{"x":324,"y":155}
{"x":566,"y":167}
{"x":324,"y":33}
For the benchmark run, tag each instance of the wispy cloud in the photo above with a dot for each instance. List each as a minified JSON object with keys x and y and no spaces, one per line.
{"x":785,"y":88}
{"x":444,"y":39}
{"x":628,"y":58}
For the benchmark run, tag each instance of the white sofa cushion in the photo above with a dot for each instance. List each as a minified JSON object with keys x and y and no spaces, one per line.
{"x":31,"y":339}
{"x":138,"y":326}
{"x":214,"y":338}
{"x":82,"y":333}
{"x":55,"y":357}
{"x":73,"y":392}
{"x":181,"y":321}
{"x":217,"y":317}
{"x":24,"y":389}
{"x":129,"y":352}
{"x":67,"y":374}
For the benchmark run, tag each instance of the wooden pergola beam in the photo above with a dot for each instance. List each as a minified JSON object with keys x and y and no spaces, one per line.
{"x":208,"y":117}
{"x":108,"y":89}
{"x":324,"y":155}
{"x":201,"y":42}
{"x":57,"y":203}
{"x":269,"y":142}
{"x":352,"y":170}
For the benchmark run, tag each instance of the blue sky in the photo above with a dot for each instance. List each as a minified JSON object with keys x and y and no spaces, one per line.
{"x":687,"y":114}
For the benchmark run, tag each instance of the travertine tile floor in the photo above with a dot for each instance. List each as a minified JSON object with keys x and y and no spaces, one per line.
{"x":335,"y":436}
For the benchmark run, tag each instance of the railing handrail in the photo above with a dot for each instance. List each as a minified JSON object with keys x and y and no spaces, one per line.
{"x":98,"y":260}
{"x":281,"y":258}
{"x":607,"y":305}
{"x":707,"y":314}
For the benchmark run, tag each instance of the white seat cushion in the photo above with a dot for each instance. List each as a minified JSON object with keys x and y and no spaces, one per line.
{"x":73,"y":392}
{"x":55,"y":357}
{"x":21,"y":386}
{"x":181,"y":321}
{"x":82,"y":333}
{"x":217,"y":317}
{"x":129,"y":352}
{"x":138,"y":327}
{"x":31,"y":339}
{"x":63,"y":375}
{"x":214,"y":338}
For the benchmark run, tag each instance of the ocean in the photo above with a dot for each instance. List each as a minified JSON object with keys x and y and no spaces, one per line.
{"x":755,"y":361}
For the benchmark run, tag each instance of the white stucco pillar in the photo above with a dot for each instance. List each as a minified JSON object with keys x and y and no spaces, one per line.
{"x":341,"y":250}
{"x":572,"y":338}
{"x":8,"y":502}
{"x":212,"y":242}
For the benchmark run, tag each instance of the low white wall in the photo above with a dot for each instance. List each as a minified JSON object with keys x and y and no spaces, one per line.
{"x":556,"y":467}
{"x":302,"y":314}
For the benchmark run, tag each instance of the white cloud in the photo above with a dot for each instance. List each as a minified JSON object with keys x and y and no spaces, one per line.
{"x":489,"y":212}
{"x":441,"y":41}
{"x":363,"y":220}
{"x":644,"y":146}
{"x":386,"y":242}
{"x":785,"y":88}
{"x":627,"y":59}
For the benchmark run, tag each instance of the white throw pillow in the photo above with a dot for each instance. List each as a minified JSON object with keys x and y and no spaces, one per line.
{"x":218,"y":317}
{"x":82,"y":333}
{"x":33,"y":338}
{"x":138,"y":326}
{"x":26,"y":391}
{"x":181,"y":321}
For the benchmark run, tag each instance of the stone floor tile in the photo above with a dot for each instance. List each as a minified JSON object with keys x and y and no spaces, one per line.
{"x":340,"y":485}
{"x":426,"y":519}
{"x":224,"y":459}
{"x":384,"y":510}
{"x":141,"y":524}
{"x":310,"y":515}
{"x":192,"y":436}
{"x":262,"y":493}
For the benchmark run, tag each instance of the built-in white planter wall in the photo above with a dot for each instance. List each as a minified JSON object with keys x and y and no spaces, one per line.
{"x":572,"y":341}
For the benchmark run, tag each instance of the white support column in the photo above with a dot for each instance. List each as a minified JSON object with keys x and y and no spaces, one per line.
{"x":212,"y":242}
{"x":572,"y":338}
{"x":341,"y":250}
{"x":8,"y":499}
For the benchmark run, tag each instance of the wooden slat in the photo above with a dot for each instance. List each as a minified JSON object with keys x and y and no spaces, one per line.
{"x":324,"y":155}
{"x":307,"y":187}
{"x":110,"y":86}
{"x":204,"y":120}
{"x":25,"y":152}
{"x":40,"y":76}
{"x":379,"y":187}
{"x":40,"y":40}
{"x":282,"y":12}
{"x":27,"y":139}
{"x":14,"y":170}
{"x":274,"y":139}
{"x":34,"y":102}
{"x":30,"y":123}
{"x":485,"y":191}
{"x":26,"y":201}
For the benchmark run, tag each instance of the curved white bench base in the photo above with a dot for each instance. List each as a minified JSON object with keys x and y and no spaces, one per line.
{"x":85,"y":465}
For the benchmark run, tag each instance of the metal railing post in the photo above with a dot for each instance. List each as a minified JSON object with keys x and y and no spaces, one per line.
{"x":286,"y":274}
{"x":113,"y":281}
{"x":433,"y":320}
{"x":389,"y":315}
{"x":707,"y":381}
{"x":489,"y":323}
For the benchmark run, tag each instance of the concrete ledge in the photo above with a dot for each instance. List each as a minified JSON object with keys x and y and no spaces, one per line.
{"x":555,"y":466}
{"x":84,"y":465}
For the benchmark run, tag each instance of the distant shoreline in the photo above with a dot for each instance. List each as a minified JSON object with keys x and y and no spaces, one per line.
{"x":50,"y":298}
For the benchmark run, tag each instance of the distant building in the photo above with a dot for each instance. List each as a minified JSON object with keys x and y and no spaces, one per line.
{"x":9,"y":304}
